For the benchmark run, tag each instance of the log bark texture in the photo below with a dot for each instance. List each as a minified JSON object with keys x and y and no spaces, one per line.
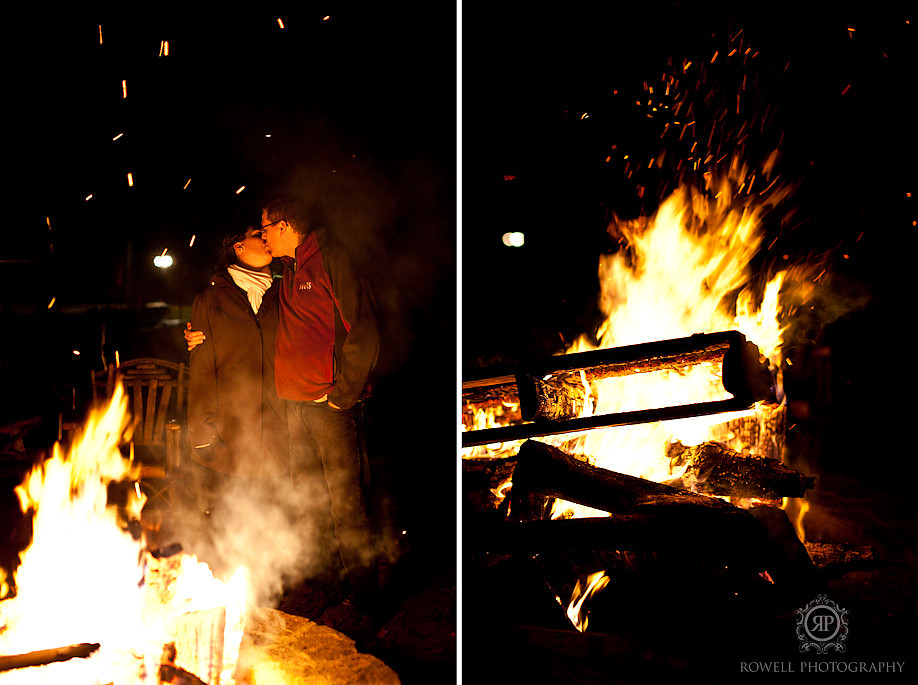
{"x":548,"y":471}
{"x":715,"y":469}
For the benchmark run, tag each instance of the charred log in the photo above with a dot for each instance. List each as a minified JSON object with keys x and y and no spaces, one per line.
{"x":44,"y":657}
{"x":839,"y":556}
{"x":552,"y":389}
{"x":548,"y":471}
{"x":715,"y":469}
{"x":484,"y":485}
{"x":553,"y":397}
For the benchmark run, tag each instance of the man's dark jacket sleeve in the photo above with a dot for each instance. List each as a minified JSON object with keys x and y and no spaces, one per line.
{"x":357,"y":334}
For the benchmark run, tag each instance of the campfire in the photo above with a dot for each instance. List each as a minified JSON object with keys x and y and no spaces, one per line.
{"x":89,"y":602}
{"x":649,"y":456}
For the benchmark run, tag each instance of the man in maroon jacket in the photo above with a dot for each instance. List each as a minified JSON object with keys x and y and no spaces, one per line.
{"x":327,"y":346}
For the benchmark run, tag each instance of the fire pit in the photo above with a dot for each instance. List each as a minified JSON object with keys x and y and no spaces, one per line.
{"x":153,"y":615}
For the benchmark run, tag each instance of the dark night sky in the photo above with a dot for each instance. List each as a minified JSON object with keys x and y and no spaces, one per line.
{"x":365,"y":88}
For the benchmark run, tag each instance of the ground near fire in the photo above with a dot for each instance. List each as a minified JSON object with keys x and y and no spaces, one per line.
{"x":575,"y":122}
{"x":151,"y":134}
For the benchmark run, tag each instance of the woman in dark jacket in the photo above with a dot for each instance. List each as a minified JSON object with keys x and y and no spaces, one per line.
{"x":237,"y":423}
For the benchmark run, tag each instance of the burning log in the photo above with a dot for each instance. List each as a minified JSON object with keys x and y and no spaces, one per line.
{"x":548,"y":390}
{"x":485,"y":483}
{"x":645,"y":515}
{"x":715,"y":469}
{"x":551,"y":398}
{"x":837,"y":555}
{"x":199,"y":643}
{"x":44,"y":657}
{"x":548,"y":471}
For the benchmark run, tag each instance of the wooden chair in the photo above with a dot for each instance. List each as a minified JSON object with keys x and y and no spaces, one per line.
{"x":157,"y":394}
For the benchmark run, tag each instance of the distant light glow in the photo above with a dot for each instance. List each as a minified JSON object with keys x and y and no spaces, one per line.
{"x":192,"y":240}
{"x":241,"y":188}
{"x":117,"y":137}
{"x":76,"y":353}
{"x":162,"y":261}
{"x":130,"y":179}
{"x":51,"y":303}
{"x":280,"y":22}
{"x":124,"y":88}
{"x":514,"y":239}
{"x":186,"y":184}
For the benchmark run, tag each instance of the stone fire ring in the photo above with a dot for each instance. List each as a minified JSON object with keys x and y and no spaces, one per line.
{"x":282,"y":648}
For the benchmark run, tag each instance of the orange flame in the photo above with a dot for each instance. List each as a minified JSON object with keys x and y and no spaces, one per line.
{"x":85,"y":577}
{"x":575,"y":610}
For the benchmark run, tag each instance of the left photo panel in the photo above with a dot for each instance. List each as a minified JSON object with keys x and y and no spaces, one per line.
{"x":228,"y":361}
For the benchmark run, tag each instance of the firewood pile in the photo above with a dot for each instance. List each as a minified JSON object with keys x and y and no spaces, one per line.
{"x":714,"y":534}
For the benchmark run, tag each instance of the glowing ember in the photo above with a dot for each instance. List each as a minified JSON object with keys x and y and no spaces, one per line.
{"x":86,"y":578}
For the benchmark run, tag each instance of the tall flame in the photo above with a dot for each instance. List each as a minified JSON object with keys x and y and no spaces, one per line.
{"x":684,"y":270}
{"x":85,"y":576}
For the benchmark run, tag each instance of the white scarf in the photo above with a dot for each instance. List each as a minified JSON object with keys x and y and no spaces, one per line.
{"x":255,"y":283}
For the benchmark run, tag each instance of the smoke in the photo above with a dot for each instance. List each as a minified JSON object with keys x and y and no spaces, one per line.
{"x":263,"y":524}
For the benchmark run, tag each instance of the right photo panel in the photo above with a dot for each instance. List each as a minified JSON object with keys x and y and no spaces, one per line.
{"x":686,"y":244}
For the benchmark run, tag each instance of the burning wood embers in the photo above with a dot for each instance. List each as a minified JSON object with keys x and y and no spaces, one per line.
{"x":551,"y":392}
{"x":649,"y":538}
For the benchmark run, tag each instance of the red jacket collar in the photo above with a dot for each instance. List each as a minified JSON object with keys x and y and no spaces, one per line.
{"x":308,"y":248}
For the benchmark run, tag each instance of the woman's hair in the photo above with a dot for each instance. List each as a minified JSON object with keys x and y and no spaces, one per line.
{"x":229,"y":252}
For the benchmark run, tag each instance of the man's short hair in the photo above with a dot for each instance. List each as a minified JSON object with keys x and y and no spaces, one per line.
{"x":302,"y":216}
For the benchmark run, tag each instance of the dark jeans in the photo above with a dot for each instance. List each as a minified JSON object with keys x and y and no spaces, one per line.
{"x":327,"y":469}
